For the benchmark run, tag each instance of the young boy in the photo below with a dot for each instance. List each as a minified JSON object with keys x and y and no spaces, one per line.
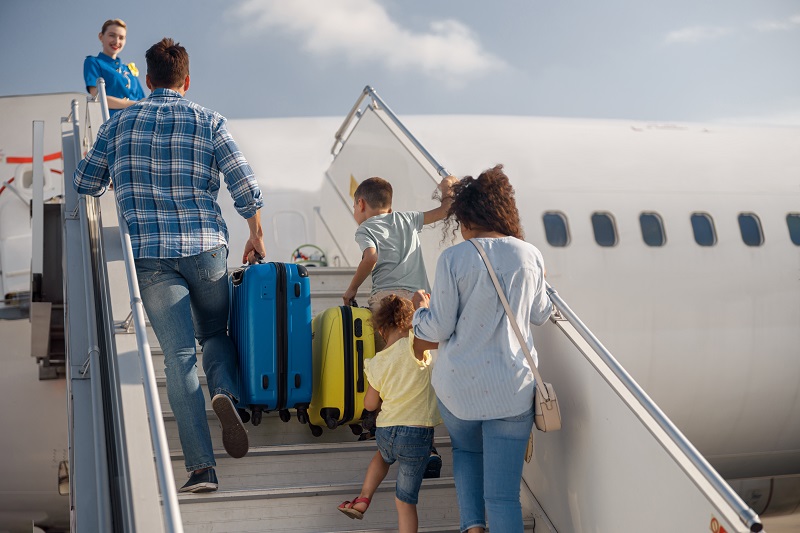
{"x":389,"y":241}
{"x":392,"y":253}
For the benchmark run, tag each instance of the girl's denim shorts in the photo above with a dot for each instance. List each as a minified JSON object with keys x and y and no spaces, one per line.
{"x":410,"y":447}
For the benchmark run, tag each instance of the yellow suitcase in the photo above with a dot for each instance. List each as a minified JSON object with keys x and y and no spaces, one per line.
{"x":343,"y":339}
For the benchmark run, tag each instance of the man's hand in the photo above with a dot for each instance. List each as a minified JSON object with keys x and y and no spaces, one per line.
{"x":421,"y":299}
{"x":254,"y":250}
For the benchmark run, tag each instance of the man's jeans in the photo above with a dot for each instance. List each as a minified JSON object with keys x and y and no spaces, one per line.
{"x":488,"y":456}
{"x":186,"y":298}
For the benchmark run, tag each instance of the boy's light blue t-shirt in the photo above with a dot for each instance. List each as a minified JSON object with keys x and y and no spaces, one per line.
{"x":395,"y":236}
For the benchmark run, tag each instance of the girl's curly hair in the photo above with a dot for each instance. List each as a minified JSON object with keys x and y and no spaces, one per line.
{"x":394,"y":312}
{"x":484,"y":203}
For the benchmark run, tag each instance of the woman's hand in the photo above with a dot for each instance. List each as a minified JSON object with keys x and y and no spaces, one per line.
{"x":421,"y":299}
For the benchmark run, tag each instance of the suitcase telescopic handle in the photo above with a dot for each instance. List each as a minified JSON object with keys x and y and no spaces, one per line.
{"x":360,"y":352}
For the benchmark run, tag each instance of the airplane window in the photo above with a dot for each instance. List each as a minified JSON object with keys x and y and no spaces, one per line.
{"x":652,"y":229}
{"x":605,"y":233}
{"x":793,"y":221}
{"x":750,"y":227}
{"x":703,"y":227}
{"x":556,"y":229}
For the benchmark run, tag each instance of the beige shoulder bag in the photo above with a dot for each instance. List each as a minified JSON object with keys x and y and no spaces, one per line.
{"x":546,"y":414}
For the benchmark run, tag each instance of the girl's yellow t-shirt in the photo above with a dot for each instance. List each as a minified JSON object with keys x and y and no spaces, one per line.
{"x":404,"y":383}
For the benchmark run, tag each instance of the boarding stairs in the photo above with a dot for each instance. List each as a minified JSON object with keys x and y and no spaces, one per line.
{"x":292,"y":481}
{"x":618,"y":464}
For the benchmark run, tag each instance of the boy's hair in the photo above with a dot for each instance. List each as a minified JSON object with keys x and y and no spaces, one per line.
{"x":394,"y":312}
{"x":113,"y":22}
{"x":167,"y":64}
{"x":377,"y":192}
{"x":486,"y":203}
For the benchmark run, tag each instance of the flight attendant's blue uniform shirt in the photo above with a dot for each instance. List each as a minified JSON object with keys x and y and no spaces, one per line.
{"x":120,"y":81}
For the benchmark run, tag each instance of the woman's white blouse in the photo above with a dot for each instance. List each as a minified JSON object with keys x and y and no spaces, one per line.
{"x":479,"y":370}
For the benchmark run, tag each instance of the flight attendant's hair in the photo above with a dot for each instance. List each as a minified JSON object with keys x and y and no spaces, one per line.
{"x":113,"y":22}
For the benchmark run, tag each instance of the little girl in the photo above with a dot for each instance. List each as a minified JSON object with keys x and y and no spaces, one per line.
{"x":400,"y":384}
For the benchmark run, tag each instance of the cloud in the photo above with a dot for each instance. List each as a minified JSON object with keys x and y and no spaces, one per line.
{"x":696,"y":34}
{"x":362,"y":31}
{"x":788,"y":24}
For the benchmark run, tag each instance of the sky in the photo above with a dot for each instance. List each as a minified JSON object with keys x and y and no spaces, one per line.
{"x":731,"y":61}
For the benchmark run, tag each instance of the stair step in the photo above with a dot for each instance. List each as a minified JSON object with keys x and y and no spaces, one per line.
{"x":307,"y":508}
{"x":271,"y":432}
{"x":291,"y":465}
{"x":441,"y":443}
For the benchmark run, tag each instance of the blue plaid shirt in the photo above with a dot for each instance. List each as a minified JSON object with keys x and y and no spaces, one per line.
{"x":165,"y":155}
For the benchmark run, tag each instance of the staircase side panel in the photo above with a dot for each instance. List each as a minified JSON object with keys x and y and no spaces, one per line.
{"x":611,"y":466}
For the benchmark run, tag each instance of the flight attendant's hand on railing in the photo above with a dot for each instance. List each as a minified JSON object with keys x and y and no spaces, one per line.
{"x":421,"y":299}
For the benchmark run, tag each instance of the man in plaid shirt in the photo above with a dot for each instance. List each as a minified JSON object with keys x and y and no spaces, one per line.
{"x":165,"y":155}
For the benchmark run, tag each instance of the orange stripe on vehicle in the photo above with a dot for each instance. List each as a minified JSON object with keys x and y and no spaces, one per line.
{"x":48,"y":157}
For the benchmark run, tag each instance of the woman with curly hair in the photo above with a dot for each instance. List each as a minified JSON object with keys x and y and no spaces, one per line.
{"x":483,"y":383}
{"x":400,"y":385}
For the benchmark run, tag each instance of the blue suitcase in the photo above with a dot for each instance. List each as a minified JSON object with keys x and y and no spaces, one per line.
{"x":270,"y":323}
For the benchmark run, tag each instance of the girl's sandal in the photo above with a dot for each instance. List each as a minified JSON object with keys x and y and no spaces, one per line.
{"x":348,"y":509}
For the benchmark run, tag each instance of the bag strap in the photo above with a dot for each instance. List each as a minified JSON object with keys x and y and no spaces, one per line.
{"x":511,"y":318}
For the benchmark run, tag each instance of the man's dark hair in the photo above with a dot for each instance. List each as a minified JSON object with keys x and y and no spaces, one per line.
{"x":377,"y":192}
{"x":167,"y":64}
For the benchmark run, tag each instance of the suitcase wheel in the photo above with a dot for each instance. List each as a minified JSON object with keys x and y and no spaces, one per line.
{"x":302,"y":416}
{"x":330,"y":416}
{"x":256,"y":418}
{"x":356,"y":429}
{"x":315,"y":430}
{"x":285,"y":415}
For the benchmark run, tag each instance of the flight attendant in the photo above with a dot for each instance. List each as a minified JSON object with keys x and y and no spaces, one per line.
{"x":122,"y":83}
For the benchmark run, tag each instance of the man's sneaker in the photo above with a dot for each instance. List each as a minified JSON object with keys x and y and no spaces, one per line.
{"x":234,"y":435}
{"x":434,"y":467}
{"x":205,"y":481}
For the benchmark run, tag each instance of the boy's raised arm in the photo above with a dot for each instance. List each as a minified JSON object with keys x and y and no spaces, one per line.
{"x":435,"y":215}
{"x":368,"y":260}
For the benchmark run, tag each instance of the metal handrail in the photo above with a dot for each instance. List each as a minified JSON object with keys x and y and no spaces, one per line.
{"x":379,"y":103}
{"x":166,"y":480}
{"x":92,"y":357}
{"x":746,"y":514}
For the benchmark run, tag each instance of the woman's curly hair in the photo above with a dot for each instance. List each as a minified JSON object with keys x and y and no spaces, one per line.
{"x":484,"y":203}
{"x":394,"y":312}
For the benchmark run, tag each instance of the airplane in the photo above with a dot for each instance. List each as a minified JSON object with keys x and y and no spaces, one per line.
{"x":678,"y":244}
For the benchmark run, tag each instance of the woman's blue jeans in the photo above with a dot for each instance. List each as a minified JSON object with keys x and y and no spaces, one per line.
{"x":187,"y":298}
{"x":488,"y":456}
